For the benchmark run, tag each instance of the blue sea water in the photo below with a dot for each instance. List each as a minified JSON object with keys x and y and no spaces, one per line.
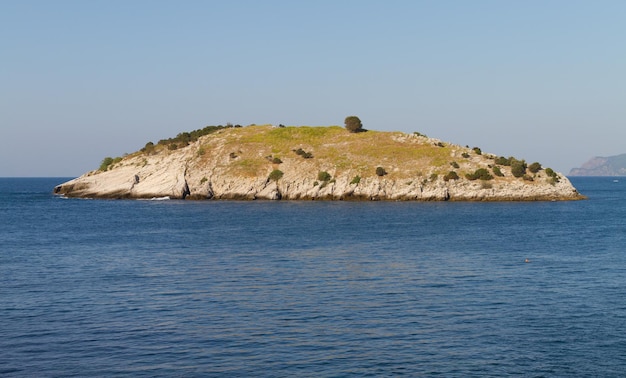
{"x":311,"y":289}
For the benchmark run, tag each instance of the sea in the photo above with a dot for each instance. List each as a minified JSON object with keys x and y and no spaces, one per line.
{"x":173,"y":288}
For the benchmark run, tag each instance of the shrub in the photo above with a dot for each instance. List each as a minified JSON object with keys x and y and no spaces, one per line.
{"x":276,"y":175}
{"x":418,"y":134}
{"x":439,"y":144}
{"x":433,"y":177}
{"x":518,"y":168}
{"x":480,"y":173}
{"x":187,"y":137}
{"x":303,"y":153}
{"x":503,"y":161}
{"x":550,"y":172}
{"x":172,"y":146}
{"x":204,"y":179}
{"x":554,"y":178}
{"x":534,"y":167}
{"x":465,"y":155}
{"x":233,"y":155}
{"x":496,"y":171}
{"x":380,"y":171}
{"x":106,"y":162}
{"x":353,"y":124}
{"x":148,"y":148}
{"x":356,"y":180}
{"x":324,"y":176}
{"x":477,"y":151}
{"x":276,"y":161}
{"x":451,"y":176}
{"x":528,"y":178}
{"x":455,"y":164}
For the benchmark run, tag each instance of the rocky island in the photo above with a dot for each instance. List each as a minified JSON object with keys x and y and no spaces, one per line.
{"x":316,"y":163}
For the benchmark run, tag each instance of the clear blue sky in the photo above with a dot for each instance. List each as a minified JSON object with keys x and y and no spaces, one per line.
{"x":81,"y":80}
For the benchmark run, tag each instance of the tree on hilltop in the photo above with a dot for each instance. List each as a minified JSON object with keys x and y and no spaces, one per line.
{"x":353,"y":124}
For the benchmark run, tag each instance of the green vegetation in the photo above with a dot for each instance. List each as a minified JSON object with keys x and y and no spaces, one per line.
{"x":553,"y":176}
{"x":496,"y":171}
{"x":273,"y":159}
{"x":518,"y":168}
{"x":501,"y":160}
{"x":451,"y":176}
{"x":534,"y":167}
{"x":380,"y":171}
{"x":465,"y":155}
{"x":276,"y":175}
{"x":324,"y":176}
{"x":356,"y":179}
{"x":479,"y":174}
{"x":183,"y":139}
{"x":353,"y":124}
{"x":510,"y":161}
{"x":455,"y":164}
{"x":303,"y":153}
{"x":477,"y":151}
{"x":108,"y":162}
{"x":148,"y":149}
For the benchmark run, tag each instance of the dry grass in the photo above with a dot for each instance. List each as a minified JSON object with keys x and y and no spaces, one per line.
{"x":244,"y":151}
{"x":334,"y":147}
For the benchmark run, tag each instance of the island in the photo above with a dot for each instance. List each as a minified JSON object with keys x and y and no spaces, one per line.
{"x":602,"y":166}
{"x":270,"y":162}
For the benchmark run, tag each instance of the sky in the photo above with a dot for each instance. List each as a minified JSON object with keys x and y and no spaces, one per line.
{"x":540,"y":80}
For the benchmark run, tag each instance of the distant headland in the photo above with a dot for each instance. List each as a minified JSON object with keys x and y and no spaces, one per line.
{"x":602,"y":166}
{"x":316,"y":163}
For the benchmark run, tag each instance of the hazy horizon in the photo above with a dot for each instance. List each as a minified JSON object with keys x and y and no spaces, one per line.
{"x":541,"y":81}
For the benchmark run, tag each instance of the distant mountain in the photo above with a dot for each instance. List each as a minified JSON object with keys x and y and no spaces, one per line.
{"x":602,"y":166}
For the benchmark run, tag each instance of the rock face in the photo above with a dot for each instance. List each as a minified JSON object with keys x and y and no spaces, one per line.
{"x":602,"y":166}
{"x":236,"y":163}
